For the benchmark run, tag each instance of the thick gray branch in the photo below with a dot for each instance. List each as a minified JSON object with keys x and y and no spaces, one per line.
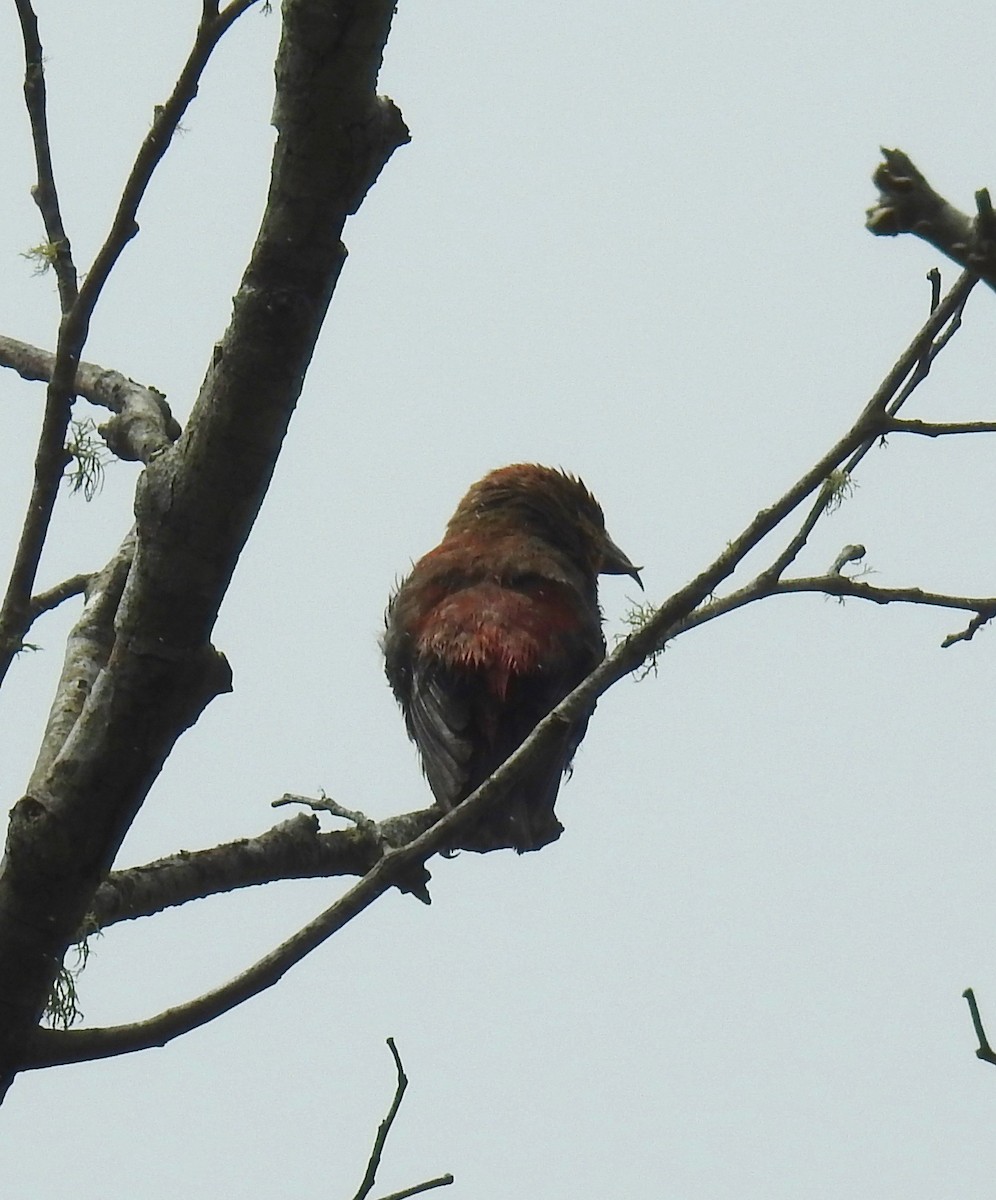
{"x":87,"y":650}
{"x":295,"y":849}
{"x":142,"y":426}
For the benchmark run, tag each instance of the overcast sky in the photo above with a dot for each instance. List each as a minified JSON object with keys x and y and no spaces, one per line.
{"x":627,"y":240}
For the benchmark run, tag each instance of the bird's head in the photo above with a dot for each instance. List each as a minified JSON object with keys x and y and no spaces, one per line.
{"x":550,"y":504}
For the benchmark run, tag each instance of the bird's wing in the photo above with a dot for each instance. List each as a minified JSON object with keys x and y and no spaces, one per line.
{"x":439,"y":718}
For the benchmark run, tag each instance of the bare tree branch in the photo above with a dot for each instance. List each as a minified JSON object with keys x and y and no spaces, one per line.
{"x":326,"y":804}
{"x":88,"y":648}
{"x":970,"y":630}
{"x":51,"y":455}
{"x":45,"y":601}
{"x":295,"y":849}
{"x":369,"y":1178}
{"x":940,"y":428}
{"x":985,"y":1051}
{"x":45,"y":192}
{"x":440,"y":1181}
{"x":143,"y":424}
{"x":843,"y":586}
{"x":908,"y":204}
{"x":370,"y":1175}
{"x":913,"y":366}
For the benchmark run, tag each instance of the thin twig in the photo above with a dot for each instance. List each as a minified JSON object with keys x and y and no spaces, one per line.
{"x":45,"y":192}
{"x":381,"y":1139}
{"x":51,"y":455}
{"x":370,"y":1175}
{"x":165,"y":123}
{"x":843,"y":586}
{"x":940,"y":428}
{"x":981,"y":618}
{"x":327,"y":804}
{"x":985,"y":1051}
{"x":840,"y":587}
{"x":45,"y":601}
{"x":441,"y":1181}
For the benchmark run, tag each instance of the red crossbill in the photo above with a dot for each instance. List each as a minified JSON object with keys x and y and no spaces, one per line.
{"x":491,"y":630}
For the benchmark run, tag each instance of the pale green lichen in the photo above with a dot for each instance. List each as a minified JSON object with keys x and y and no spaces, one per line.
{"x":88,"y":457}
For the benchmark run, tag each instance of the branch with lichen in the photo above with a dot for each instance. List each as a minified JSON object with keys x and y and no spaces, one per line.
{"x":142,"y":425}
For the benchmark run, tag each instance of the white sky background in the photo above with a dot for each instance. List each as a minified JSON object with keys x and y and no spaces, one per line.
{"x":627,"y":240}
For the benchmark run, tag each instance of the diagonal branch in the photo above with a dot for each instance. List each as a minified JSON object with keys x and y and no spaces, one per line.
{"x":50,"y":1047}
{"x":652,"y":635}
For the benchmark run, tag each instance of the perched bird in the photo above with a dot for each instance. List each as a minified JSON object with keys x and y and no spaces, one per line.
{"x":491,"y":630}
